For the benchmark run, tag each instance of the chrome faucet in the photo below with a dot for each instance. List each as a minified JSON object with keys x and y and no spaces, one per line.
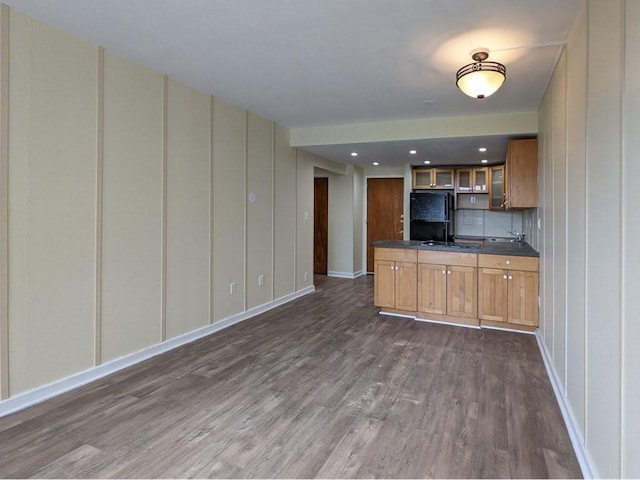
{"x":519,"y":236}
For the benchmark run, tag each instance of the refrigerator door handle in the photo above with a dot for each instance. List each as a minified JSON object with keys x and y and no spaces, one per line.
{"x":446,"y":207}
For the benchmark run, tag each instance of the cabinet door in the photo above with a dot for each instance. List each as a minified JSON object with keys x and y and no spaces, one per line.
{"x":422,"y":178}
{"x":496,"y":188}
{"x":465,"y":179}
{"x":406,"y":286}
{"x":384,"y":284}
{"x":443,"y":178}
{"x":523,"y":298}
{"x":522,"y":174}
{"x":462,"y":291}
{"x":479,"y":180}
{"x":492,"y":294}
{"x":432,"y":288}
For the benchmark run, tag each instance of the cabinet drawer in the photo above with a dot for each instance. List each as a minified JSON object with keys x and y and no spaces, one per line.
{"x":396,"y":255}
{"x":448,"y":258}
{"x":508,"y":262}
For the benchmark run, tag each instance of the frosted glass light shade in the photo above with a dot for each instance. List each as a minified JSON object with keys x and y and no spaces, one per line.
{"x":481,"y":79}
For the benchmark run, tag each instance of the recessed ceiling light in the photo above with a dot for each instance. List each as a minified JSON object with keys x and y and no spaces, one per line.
{"x":412,"y":152}
{"x":484,"y":160}
{"x":427,"y":162}
{"x":354,"y":154}
{"x":376,"y":164}
{"x":482,"y":149}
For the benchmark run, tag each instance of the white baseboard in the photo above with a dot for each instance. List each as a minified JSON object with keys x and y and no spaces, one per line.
{"x":577,"y":440}
{"x":401,"y":315}
{"x":512,"y":330}
{"x":445,"y":323}
{"x":349,"y":275}
{"x":45,"y":392}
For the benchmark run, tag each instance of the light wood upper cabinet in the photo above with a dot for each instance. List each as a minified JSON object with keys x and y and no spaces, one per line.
{"x":521,"y":174}
{"x":396,"y":278}
{"x":496,"y":188}
{"x":472,"y":180}
{"x":508,"y":289}
{"x":433,"y":178}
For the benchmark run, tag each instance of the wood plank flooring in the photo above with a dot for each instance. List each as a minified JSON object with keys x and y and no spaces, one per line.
{"x":320,"y":387}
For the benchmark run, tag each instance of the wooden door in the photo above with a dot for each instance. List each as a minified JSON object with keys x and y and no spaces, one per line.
{"x":385,"y":219}
{"x":492,"y":294}
{"x":320,"y":225}
{"x":462,"y":291}
{"x":406,"y":286}
{"x":432,"y":288}
{"x":523,"y":298}
{"x":385,"y":284}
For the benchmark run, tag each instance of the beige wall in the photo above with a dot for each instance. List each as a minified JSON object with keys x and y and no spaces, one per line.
{"x":131,"y":208}
{"x":229,"y":187}
{"x":52,"y":220}
{"x":589,"y":170}
{"x":630,"y":301}
{"x":128,"y":208}
{"x":284,"y":219}
{"x":188,"y":209}
{"x":259,"y":211}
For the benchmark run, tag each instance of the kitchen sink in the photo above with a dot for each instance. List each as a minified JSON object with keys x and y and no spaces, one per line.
{"x":501,"y":240}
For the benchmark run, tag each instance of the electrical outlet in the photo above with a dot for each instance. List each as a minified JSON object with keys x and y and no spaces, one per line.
{"x":306,"y":216}
{"x":306,"y":276}
{"x":479,"y":220}
{"x":233,"y":288}
{"x":261,"y":280}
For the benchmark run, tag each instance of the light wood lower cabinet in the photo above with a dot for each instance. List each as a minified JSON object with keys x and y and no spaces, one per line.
{"x":508,"y":290}
{"x":396,"y":279}
{"x":447,"y":284}
{"x":492,"y":290}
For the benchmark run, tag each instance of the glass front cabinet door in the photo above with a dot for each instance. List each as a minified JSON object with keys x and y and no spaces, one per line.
{"x":496,"y":190}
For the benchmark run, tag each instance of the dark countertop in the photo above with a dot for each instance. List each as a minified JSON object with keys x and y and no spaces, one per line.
{"x":490,"y":248}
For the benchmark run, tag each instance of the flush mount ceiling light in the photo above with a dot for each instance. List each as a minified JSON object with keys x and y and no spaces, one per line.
{"x":481,"y":78}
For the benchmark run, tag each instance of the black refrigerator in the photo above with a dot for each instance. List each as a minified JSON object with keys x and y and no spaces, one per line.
{"x":432,"y":216}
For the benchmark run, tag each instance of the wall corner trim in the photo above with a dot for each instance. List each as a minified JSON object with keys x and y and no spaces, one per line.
{"x":349,"y":275}
{"x":45,"y":392}
{"x":577,"y":441}
{"x":4,"y":201}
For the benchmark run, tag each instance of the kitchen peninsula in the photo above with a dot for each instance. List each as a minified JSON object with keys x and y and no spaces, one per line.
{"x":492,"y":285}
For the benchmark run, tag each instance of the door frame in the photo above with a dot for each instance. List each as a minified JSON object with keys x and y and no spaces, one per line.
{"x":365,"y":212}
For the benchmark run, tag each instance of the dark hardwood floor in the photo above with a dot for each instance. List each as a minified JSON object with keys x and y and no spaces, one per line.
{"x":320,"y":387}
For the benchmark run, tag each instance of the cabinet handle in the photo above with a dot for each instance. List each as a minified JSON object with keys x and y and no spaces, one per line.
{"x":508,"y":262}
{"x":504,"y":277}
{"x":449,"y":272}
{"x":510,"y":277}
{"x":392,"y":267}
{"x":443,"y":272}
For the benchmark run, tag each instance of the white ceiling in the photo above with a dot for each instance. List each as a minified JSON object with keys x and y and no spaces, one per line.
{"x":331,"y":62}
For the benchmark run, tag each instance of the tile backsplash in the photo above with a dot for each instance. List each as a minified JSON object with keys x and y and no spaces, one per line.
{"x":487,"y":223}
